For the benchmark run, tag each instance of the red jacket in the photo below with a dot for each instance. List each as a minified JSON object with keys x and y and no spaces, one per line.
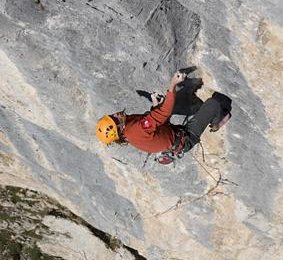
{"x":152,"y":133}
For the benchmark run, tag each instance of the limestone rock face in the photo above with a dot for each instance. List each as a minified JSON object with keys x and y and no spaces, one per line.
{"x":64,"y":64}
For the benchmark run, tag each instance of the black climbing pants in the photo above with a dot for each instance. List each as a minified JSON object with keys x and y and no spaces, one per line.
{"x":209,"y":112}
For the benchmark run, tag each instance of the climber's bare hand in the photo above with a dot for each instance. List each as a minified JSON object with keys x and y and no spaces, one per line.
{"x":177,"y":78}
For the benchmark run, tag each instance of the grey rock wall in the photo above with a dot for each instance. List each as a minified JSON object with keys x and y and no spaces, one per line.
{"x":63,"y":64}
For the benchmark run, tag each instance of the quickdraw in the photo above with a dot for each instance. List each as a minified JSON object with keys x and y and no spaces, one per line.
{"x":177,"y":150}
{"x":168,"y":157}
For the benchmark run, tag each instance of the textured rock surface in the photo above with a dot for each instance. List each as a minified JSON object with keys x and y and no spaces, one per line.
{"x":63,"y":64}
{"x":33,"y":226}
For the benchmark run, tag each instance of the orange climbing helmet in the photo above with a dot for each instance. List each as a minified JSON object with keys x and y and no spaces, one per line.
{"x":106,"y":130}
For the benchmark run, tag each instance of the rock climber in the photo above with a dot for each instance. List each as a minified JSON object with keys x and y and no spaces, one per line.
{"x":152,"y":132}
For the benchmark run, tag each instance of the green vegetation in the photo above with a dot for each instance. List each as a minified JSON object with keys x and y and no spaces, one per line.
{"x":21,"y":214}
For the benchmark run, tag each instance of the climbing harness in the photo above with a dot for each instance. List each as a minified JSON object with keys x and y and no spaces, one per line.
{"x":176,"y":151}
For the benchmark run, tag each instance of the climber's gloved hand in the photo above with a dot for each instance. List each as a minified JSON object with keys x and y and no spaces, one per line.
{"x":156,"y":99}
